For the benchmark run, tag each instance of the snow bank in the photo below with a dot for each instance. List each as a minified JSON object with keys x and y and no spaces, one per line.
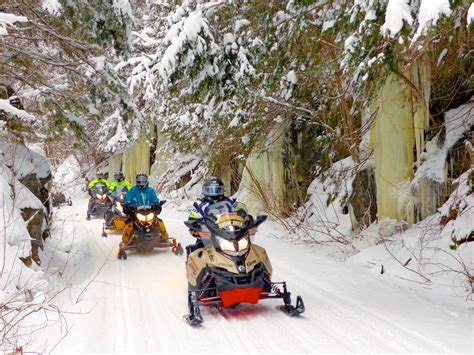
{"x":19,"y":285}
{"x":68,"y":178}
{"x":433,"y":252}
{"x":324,"y":218}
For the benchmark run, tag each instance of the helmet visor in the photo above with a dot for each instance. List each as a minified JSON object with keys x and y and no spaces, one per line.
{"x":213,"y":190}
{"x":142,"y":181}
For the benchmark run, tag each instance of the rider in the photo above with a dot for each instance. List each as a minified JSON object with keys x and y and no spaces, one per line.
{"x":99,"y":179}
{"x":119,"y":181}
{"x":213,"y":192}
{"x":116,"y":190}
{"x":141,"y":195}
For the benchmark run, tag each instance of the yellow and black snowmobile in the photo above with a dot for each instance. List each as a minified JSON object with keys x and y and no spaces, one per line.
{"x":145,"y":231}
{"x":114,"y":217}
{"x":227,"y":268}
{"x":99,"y":202}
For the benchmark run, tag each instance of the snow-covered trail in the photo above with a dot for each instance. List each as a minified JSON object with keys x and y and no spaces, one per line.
{"x":137,"y":305}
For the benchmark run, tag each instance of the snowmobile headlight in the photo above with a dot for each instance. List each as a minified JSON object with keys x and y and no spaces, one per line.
{"x":118,"y":206}
{"x":226,"y":245}
{"x":141,"y":217}
{"x":149,"y":217}
{"x":243,"y":243}
{"x":99,"y":196}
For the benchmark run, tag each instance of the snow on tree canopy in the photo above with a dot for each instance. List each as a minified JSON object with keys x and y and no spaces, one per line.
{"x":52,"y":6}
{"x":9,"y":108}
{"x":397,"y":12}
{"x":430,"y":11}
{"x":470,"y":14}
{"x":185,"y":32}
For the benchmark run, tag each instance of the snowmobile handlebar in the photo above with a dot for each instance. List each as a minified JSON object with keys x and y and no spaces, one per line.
{"x":210,"y":222}
{"x":130,"y":208}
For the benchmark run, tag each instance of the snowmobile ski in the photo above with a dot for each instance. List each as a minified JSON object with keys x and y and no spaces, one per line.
{"x":291,"y":310}
{"x":193,"y":321}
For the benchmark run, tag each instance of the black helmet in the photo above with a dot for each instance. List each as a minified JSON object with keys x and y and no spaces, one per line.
{"x":119,"y":176}
{"x":213,"y":188}
{"x":141,"y":180}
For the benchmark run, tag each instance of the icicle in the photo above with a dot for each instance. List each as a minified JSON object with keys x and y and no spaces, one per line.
{"x":394,"y":138}
{"x":136,"y":159}
{"x":115,"y":165}
{"x":263,"y":181}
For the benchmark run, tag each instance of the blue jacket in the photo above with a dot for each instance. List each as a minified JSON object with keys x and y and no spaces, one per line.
{"x":141,"y":197}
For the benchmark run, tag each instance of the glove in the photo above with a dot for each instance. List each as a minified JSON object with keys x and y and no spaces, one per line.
{"x":157,"y":208}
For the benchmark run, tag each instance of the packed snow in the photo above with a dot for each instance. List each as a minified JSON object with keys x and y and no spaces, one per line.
{"x":137,"y":305}
{"x":370,"y":301}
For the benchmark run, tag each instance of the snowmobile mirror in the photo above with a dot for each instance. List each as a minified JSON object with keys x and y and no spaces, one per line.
{"x":260,"y":219}
{"x":196,"y":206}
{"x":192,"y":224}
{"x":161,"y":203}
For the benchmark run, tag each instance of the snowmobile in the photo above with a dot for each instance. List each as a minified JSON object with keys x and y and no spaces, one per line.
{"x":227,"y":268}
{"x":59,"y":199}
{"x":115,"y":217}
{"x":100,"y":201}
{"x":146,"y":233}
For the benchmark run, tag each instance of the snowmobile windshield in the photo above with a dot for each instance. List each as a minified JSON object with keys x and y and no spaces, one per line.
{"x":218,"y":208}
{"x":100,"y":188}
{"x":120,"y":191}
{"x":230,"y":234}
{"x":228,"y":225}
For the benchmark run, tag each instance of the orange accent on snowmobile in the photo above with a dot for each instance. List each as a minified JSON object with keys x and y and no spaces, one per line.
{"x":237,"y":295}
{"x":119,"y":223}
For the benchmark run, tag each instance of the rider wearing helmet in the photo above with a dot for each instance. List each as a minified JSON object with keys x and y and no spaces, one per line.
{"x":100,"y":178}
{"x":212,"y":193}
{"x":141,"y":195}
{"x":119,"y":181}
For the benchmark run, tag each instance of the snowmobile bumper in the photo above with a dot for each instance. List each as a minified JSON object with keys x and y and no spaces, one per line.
{"x":148,"y":243}
{"x":240,"y":295}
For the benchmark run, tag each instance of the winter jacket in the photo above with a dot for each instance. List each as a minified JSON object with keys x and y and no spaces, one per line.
{"x":141,"y":197}
{"x":117,"y":183}
{"x":96,"y":181}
